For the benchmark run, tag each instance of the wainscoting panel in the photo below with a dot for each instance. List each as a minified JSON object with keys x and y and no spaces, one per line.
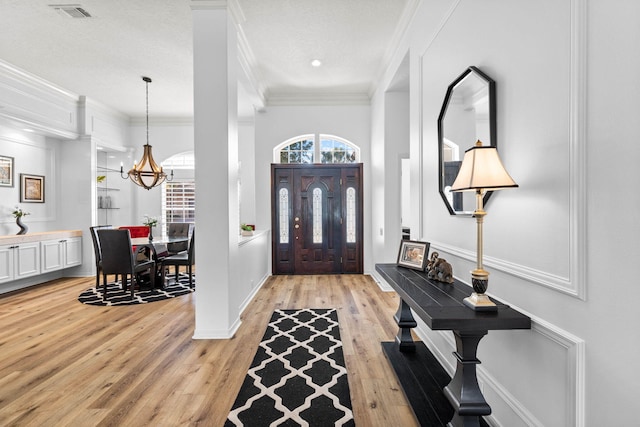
{"x":543,"y":358}
{"x":574,"y":284}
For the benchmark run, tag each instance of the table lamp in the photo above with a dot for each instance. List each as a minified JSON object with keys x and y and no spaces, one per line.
{"x":481,"y":171}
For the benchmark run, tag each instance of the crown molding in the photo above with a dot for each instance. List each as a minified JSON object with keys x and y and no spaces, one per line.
{"x":408,"y":13}
{"x":91,"y":104}
{"x":249,"y":76}
{"x":35,"y":82}
{"x":161,"y":121}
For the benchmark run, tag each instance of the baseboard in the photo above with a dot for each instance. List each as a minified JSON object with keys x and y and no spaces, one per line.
{"x":253,"y":293}
{"x":217,"y":334}
{"x":382,"y":284}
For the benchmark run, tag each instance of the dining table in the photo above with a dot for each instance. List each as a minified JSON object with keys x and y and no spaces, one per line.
{"x":158,"y":251}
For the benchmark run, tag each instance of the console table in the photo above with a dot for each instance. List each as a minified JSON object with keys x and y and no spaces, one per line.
{"x":440,"y":306}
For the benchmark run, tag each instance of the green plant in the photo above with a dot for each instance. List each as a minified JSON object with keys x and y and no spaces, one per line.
{"x":246,"y":227}
{"x":18,"y":212}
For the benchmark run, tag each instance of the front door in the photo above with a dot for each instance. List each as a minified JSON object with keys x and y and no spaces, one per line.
{"x":317,"y":219}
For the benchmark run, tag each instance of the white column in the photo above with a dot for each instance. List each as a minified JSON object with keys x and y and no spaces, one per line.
{"x":216,"y":165}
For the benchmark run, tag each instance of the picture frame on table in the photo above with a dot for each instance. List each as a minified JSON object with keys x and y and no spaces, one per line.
{"x":31,"y":188}
{"x":6,"y":171}
{"x":413,"y":254}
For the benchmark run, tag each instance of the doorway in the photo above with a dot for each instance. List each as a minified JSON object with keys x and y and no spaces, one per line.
{"x":316,"y":218}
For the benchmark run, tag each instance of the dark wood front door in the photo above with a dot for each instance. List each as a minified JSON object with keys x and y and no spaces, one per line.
{"x":317,"y":219}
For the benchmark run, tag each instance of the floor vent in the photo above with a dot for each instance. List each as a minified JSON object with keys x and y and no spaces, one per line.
{"x":71,"y":10}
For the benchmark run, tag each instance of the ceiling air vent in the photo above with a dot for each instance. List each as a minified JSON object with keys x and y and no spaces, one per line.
{"x":71,"y":10}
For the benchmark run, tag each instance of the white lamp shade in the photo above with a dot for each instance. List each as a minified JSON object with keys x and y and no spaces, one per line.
{"x":482,"y":169}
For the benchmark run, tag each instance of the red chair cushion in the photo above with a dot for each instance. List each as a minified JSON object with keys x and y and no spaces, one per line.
{"x":136,"y":230}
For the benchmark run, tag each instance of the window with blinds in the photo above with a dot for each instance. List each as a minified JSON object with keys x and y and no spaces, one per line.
{"x":179,"y":201}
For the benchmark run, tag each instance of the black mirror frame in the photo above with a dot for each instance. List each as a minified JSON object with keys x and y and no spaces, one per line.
{"x":492,"y":130}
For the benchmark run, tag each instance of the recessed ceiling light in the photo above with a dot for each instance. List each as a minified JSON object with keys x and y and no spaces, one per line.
{"x":316,"y":63}
{"x":28,"y":130}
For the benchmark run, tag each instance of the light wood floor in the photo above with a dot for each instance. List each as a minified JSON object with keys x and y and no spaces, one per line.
{"x":63,"y":363}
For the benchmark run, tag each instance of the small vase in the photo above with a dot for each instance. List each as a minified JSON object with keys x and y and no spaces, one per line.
{"x":150,"y":233}
{"x":23,"y":228}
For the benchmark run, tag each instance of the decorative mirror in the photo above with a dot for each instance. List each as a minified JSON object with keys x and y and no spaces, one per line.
{"x":468,"y":114}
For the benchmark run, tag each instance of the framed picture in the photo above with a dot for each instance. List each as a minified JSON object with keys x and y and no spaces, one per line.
{"x":6,"y":171}
{"x":31,"y":188}
{"x":413,"y":254}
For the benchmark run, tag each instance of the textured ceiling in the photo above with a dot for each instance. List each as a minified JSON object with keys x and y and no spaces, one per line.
{"x":105,"y":56}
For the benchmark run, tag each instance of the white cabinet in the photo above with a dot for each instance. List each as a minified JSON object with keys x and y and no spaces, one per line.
{"x":60,"y":253}
{"x":32,"y":258}
{"x":6,"y":263}
{"x":19,"y":261}
{"x":72,"y":252}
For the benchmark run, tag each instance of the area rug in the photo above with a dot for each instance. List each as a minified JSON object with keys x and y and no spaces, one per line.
{"x":116,"y":296}
{"x":298,"y":376}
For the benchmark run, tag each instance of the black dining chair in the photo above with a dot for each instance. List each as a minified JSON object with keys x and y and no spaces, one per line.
{"x":96,"y":251}
{"x":183,"y":258}
{"x":179,"y":229}
{"x":119,"y":258}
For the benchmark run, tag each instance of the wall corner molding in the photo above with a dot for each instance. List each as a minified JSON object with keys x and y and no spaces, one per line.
{"x":577,"y":147}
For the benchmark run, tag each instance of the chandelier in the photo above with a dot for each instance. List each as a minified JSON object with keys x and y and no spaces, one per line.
{"x":146,"y":173}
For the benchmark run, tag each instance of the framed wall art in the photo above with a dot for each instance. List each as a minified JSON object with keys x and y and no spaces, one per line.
{"x":6,"y":171}
{"x":413,"y":254}
{"x":31,"y":188}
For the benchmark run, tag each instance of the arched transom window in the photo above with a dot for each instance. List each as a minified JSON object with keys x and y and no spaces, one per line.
{"x":317,"y":148}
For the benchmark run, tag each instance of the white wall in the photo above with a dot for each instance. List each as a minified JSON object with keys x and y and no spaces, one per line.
{"x":36,"y":155}
{"x":377,"y":190}
{"x":396,"y":147}
{"x":406,"y":191}
{"x":608,"y":319}
{"x":247,"y":142}
{"x":549,"y":245}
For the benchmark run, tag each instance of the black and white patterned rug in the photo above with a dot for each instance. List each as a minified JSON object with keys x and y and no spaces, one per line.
{"x":298,"y":376}
{"x":116,"y":296}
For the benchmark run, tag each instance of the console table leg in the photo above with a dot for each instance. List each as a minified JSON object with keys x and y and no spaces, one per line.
{"x":463,"y":392}
{"x":405,"y":321}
